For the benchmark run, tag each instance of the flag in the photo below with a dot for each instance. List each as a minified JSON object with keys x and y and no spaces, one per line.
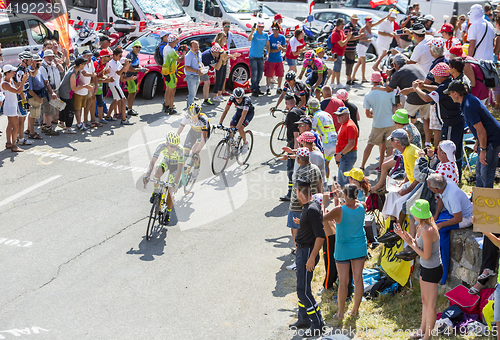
{"x":4,"y":4}
{"x":311,"y":7}
{"x":375,"y":3}
{"x":61,"y":25}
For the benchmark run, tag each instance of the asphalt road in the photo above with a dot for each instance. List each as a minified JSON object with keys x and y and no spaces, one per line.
{"x":75,"y":262}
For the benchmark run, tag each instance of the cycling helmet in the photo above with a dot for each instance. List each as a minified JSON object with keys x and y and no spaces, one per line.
{"x":173,"y":138}
{"x":238,"y":92}
{"x":26,"y":55}
{"x":309,"y":55}
{"x":290,"y":75}
{"x":194,"y":109}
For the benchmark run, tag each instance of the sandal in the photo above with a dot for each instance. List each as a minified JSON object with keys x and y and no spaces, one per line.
{"x":8,"y":145}
{"x":416,"y":335}
{"x":337,"y":316}
{"x":34,"y":136}
{"x":474,"y":291}
{"x":489,"y":273}
{"x":15,"y":148}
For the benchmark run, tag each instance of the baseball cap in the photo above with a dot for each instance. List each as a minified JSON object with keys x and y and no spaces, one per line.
{"x":398,"y":134}
{"x":449,"y":149}
{"x":307,"y":136}
{"x":172,"y":38}
{"x":376,"y":77}
{"x":446,"y":28}
{"x":342,"y":94}
{"x":86,"y":52}
{"x":441,"y":70}
{"x":458,"y":51}
{"x":260,"y":24}
{"x":455,"y":85}
{"x":319,"y":50}
{"x":401,"y":116}
{"x":104,"y":53}
{"x":418,"y":29}
{"x":80,"y":61}
{"x":8,"y":68}
{"x":399,"y":59}
{"x":438,"y":42}
{"x":393,"y":13}
{"x":303,"y":152}
{"x":341,"y":110}
{"x":355,"y":173}
{"x":48,"y":53}
{"x":163,"y":33}
{"x":278,"y":16}
{"x":306,"y":120}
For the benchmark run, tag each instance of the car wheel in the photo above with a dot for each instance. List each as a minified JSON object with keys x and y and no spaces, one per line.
{"x":239,"y":73}
{"x":150,"y":86}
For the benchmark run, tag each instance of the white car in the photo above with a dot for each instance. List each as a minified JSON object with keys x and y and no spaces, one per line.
{"x":287,"y":21}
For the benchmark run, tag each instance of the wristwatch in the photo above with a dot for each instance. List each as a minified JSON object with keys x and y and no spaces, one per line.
{"x":341,"y":154}
{"x":482,"y":149}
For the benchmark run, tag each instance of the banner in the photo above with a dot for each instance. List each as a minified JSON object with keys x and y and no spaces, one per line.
{"x":486,"y":209}
{"x":397,"y":269}
{"x":61,"y":25}
{"x":375,"y":3}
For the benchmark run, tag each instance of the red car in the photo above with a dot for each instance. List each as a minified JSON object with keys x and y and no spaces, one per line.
{"x":204,"y":34}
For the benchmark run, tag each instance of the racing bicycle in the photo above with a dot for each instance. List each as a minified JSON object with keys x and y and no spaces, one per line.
{"x":190,"y":172}
{"x":278,"y":136}
{"x":230,"y":147}
{"x":158,"y":209}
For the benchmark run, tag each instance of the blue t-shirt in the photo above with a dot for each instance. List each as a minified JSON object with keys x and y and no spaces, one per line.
{"x":380,"y":102}
{"x":208,"y":59}
{"x":36,"y":84}
{"x":258,"y":43}
{"x":474,"y":112}
{"x":192,"y":60}
{"x":276,"y":57}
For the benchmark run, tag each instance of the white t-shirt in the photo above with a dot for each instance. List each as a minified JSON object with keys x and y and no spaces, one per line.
{"x":51,"y":74}
{"x":431,"y":31}
{"x":115,"y":66}
{"x":476,"y":32}
{"x":422,"y":54}
{"x":294,"y":43}
{"x":387,"y":27}
{"x":455,"y":200}
{"x":82,"y":80}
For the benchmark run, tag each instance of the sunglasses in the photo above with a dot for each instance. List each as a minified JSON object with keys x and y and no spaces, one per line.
{"x":227,"y":26}
{"x":301,"y":125}
{"x":137,"y":47}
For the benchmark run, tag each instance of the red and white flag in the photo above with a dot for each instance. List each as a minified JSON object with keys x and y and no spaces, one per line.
{"x":311,"y":7}
{"x":375,"y":3}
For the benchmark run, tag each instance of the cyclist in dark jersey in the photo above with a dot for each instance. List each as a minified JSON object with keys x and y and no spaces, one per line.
{"x":299,"y":89}
{"x":242,"y":117}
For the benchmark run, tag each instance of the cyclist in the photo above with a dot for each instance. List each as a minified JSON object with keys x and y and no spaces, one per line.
{"x":200,"y":131}
{"x":242,"y":117}
{"x":173,"y":160}
{"x":299,"y":89}
{"x":317,"y":75}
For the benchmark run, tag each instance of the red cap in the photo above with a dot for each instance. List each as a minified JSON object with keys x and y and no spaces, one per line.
{"x":104,"y":53}
{"x":448,"y":28}
{"x":457,"y":50}
{"x":278,"y":16}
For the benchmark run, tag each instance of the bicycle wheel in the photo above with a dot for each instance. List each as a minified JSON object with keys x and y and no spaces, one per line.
{"x":242,"y":158}
{"x":220,"y":157}
{"x":153,"y":217}
{"x":192,"y":175}
{"x":278,"y":139}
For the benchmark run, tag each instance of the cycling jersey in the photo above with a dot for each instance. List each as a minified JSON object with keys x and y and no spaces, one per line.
{"x":316,"y":67}
{"x":300,"y":89}
{"x":246,"y":103}
{"x":201,"y":125}
{"x":323,"y":123}
{"x":170,"y":159}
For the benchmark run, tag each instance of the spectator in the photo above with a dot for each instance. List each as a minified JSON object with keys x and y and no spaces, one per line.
{"x":496,"y":51}
{"x":323,"y":123}
{"x":26,"y":61}
{"x":357,"y":177}
{"x":481,"y":34}
{"x":116,"y":71}
{"x":459,"y":31}
{"x":294,"y":48}
{"x":105,"y":41}
{"x":274,"y":65}
{"x":305,"y":124}
{"x":362,"y":47}
{"x":10,"y":107}
{"x":318,"y":72}
{"x":278,"y":18}
{"x":307,"y":139}
{"x":211,"y":58}
{"x":260,"y":42}
{"x":343,"y":95}
{"x":378,"y":106}
{"x":52,"y":81}
{"x":47,"y":45}
{"x":61,"y":59}
{"x":331,"y":104}
{"x":474,"y":77}
{"x":69,"y":84}
{"x":347,"y":144}
{"x":350,"y":247}
{"x":421,"y":53}
{"x":407,"y":23}
{"x":488,"y":15}
{"x":386,"y":32}
{"x":169,"y":70}
{"x":339,"y":40}
{"x":193,"y":64}
{"x":36,"y":93}
{"x":229,"y":42}
{"x":426,"y":245}
{"x":101,"y":69}
{"x":350,"y":50}
{"x":447,"y":32}
{"x":133,"y":70}
{"x":220,"y":74}
{"x":80,"y":97}
{"x":292,"y":132}
{"x":429,"y":21}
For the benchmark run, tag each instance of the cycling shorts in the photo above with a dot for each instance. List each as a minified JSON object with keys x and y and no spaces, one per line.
{"x":170,"y":81}
{"x":194,"y":137}
{"x":237,"y":116}
{"x":132,"y":86}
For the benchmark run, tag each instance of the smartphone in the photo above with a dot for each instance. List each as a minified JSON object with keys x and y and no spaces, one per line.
{"x":398,"y":32}
{"x":332,"y":194}
{"x":255,"y":25}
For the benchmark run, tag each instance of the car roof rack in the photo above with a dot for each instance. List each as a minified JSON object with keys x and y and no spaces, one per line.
{"x":189,"y":27}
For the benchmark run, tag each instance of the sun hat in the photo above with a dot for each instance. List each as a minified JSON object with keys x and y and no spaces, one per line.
{"x":341,"y":110}
{"x":401,"y":116}
{"x":342,"y":94}
{"x":441,"y":70}
{"x":137,"y":43}
{"x":449,"y":149}
{"x":355,"y":16}
{"x":420,"y":209}
{"x":303,"y":152}
{"x":355,"y":173}
{"x":377,"y":77}
{"x":172,"y":38}
{"x":36,"y":57}
{"x":48,"y":53}
{"x":307,"y":137}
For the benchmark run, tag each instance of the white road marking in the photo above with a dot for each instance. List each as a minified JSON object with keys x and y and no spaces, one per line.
{"x":28,"y":190}
{"x":133,"y":147}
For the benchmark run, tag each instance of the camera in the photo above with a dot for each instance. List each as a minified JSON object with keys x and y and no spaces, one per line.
{"x":335,"y":55}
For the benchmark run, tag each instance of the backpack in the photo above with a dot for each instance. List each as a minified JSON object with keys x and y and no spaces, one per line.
{"x":158,"y":55}
{"x":489,"y":70}
{"x":329,"y":44}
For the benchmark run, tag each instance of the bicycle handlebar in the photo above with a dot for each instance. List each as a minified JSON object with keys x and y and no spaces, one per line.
{"x":273,"y":110}
{"x":227,"y":129}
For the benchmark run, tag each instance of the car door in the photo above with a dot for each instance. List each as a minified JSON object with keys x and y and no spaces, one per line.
{"x":321,"y":18}
{"x":14,"y":40}
{"x":205,"y":42}
{"x":38,"y":33}
{"x":240,"y":67}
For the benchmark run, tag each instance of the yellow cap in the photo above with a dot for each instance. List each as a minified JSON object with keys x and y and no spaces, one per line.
{"x":319,"y":50}
{"x":355,"y":173}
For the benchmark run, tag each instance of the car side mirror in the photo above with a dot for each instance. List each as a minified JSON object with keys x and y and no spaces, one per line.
{"x":217,"y":12}
{"x":185,"y":3}
{"x":110,"y":19}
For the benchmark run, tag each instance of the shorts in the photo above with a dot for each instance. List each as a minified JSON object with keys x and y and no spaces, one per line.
{"x":349,"y":261}
{"x":337,"y":65}
{"x":274,"y":69}
{"x":35,"y":108}
{"x":313,"y":78}
{"x":228,"y":69}
{"x":132,"y":86}
{"x":79,"y":101}
{"x":90,"y":94}
{"x":413,"y":109}
{"x":350,"y":57}
{"x":117,"y":92}
{"x":171,"y":175}
{"x":289,"y":222}
{"x":99,"y":100}
{"x":496,"y":305}
{"x":496,"y":91}
{"x":204,"y":77}
{"x":379,"y":135}
{"x":432,"y":275}
{"x":22,"y":110}
{"x":291,"y":62}
{"x":434,"y":123}
{"x":49,"y":110}
{"x":237,"y":116}
{"x":361,"y":49}
{"x":329,"y":151}
{"x":194,"y":137}
{"x":170,"y":81}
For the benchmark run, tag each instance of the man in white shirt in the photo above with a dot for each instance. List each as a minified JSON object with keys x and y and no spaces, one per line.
{"x":421,"y":54}
{"x":84,"y":97}
{"x":386,"y":32}
{"x":52,"y":80}
{"x":481,"y":35}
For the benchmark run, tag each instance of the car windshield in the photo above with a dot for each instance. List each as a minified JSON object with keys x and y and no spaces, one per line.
{"x":239,"y":6}
{"x":362,"y":17}
{"x":148,"y":42}
{"x":268,"y":11}
{"x":166,"y":8}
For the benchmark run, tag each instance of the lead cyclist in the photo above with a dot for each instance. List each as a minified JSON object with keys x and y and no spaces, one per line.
{"x":198,"y":134}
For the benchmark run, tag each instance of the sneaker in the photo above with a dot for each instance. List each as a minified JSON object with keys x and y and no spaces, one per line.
{"x":286,"y":198}
{"x":117,"y":116}
{"x":260,"y":92}
{"x":244,"y":148}
{"x":268,"y":92}
{"x":69,"y":131}
{"x":96,"y":124}
{"x":61,"y":125}
{"x":25,"y":141}
{"x":407,"y":254}
{"x":103,"y":121}
{"x":110,"y":119}
{"x":172,"y":111}
{"x":126,"y":122}
{"x":255,"y":94}
{"x":388,"y":237}
{"x":88,"y":125}
{"x":340,"y":86}
{"x":81,"y":127}
{"x":132,"y":112}
{"x":207,"y":102}
{"x":274,"y":80}
{"x":217,"y":99}
{"x":293,"y":266}
{"x":165,"y":108}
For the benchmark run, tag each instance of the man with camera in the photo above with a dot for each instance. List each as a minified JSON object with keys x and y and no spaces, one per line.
{"x":52,"y":80}
{"x":36,"y":92}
